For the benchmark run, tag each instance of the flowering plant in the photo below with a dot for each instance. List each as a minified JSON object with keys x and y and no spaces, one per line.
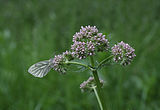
{"x":87,"y":43}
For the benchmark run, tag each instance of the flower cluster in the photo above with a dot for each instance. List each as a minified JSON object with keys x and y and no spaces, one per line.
{"x":88,"y":41}
{"x":86,"y":32}
{"x":59,"y":61}
{"x":79,"y":49}
{"x":89,"y":84}
{"x":123,"y":53}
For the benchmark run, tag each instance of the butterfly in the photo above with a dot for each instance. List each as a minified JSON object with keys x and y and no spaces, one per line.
{"x":41,"y":68}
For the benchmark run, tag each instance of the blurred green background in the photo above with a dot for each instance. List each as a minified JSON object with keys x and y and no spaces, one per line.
{"x":35,"y":30}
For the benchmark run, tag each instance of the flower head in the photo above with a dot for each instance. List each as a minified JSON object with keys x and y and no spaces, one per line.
{"x":88,"y":41}
{"x":89,"y":84}
{"x":123,"y":53}
{"x":58,"y":63}
{"x":90,"y":48}
{"x":101,"y":42}
{"x":79,"y":48}
{"x":85,"y":33}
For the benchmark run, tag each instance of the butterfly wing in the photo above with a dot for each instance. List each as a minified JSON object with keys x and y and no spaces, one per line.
{"x":40,"y":69}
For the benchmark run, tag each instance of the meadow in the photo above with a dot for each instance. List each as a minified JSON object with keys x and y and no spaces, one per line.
{"x":36,"y":30}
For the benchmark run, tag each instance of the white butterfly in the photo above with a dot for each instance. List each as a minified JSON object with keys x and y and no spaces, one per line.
{"x":41,"y":68}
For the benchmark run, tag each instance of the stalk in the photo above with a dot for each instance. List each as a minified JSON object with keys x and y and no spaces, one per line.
{"x":99,"y":89}
{"x":97,"y":96}
{"x":104,"y":61}
{"x":80,"y":64}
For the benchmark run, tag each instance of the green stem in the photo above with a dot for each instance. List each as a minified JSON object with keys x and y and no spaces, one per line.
{"x":81,"y":64}
{"x":99,"y":89}
{"x":97,"y":96}
{"x":104,"y":61}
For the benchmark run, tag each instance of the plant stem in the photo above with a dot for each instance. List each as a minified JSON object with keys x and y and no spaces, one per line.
{"x":97,"y":96}
{"x":81,"y":64}
{"x":99,"y":90}
{"x":104,"y":61}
